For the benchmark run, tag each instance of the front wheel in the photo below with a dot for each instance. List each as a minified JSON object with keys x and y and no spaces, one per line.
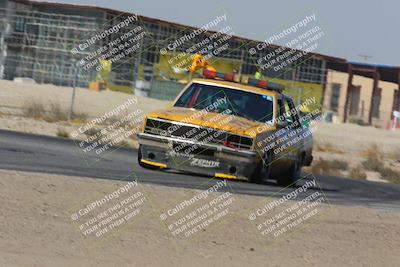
{"x":263,"y":172}
{"x":290,"y":176}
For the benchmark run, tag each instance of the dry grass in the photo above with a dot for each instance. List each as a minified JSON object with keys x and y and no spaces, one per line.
{"x":53,"y":113}
{"x":339,"y":164}
{"x":372,"y":152}
{"x":357,"y":173}
{"x":395,"y":154}
{"x":374,"y":159}
{"x":94,"y":133}
{"x":34,"y":110}
{"x":390,"y":175}
{"x":324,"y":167}
{"x":326,"y":147}
{"x":62,"y":133}
{"x":79,"y":118}
{"x":337,"y":168}
{"x":112,"y":120}
{"x":374,"y":163}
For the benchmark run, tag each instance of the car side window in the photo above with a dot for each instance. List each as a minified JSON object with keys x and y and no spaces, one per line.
{"x":291,"y":112}
{"x":281,"y":111}
{"x":185,"y":97}
{"x":288,"y":114}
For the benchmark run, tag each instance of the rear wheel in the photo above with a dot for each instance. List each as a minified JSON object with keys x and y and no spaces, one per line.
{"x":142,"y":164}
{"x":290,"y":176}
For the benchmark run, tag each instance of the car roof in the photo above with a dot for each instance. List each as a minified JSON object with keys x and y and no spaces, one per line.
{"x":237,"y":86}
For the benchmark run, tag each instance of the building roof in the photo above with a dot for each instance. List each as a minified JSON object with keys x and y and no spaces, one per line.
{"x":387,"y":73}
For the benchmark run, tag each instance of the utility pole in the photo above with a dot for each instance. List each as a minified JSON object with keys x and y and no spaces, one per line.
{"x":365,"y":57}
{"x":241,"y":63}
{"x":75,"y":66}
{"x":299,"y":89}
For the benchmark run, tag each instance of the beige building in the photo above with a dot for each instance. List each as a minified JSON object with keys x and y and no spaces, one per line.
{"x":358,"y":102}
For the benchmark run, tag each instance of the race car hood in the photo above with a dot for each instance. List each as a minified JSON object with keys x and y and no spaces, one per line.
{"x":228,"y":123}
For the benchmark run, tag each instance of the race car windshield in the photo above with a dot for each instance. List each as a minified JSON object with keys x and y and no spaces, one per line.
{"x":252,"y":106}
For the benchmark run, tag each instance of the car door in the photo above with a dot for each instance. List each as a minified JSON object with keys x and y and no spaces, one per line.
{"x":304,"y":143}
{"x":285,"y":151}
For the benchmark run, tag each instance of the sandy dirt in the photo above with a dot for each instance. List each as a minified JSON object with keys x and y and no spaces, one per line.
{"x":18,"y":95}
{"x":29,"y":125}
{"x":36,"y":229}
{"x":353,"y":138}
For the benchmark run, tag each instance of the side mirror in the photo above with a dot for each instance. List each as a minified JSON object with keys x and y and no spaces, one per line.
{"x":281,"y":124}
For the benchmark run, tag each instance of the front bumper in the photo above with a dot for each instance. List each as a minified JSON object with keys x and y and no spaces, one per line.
{"x":208,"y":159}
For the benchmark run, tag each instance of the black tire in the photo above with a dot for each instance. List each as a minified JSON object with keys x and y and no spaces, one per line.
{"x":290,"y":176}
{"x":263,"y":172}
{"x":144,"y":165}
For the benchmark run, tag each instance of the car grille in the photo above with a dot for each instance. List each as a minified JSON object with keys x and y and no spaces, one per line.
{"x":196,"y":133}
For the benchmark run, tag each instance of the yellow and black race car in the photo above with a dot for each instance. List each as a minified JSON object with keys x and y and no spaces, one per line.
{"x":229,"y":130}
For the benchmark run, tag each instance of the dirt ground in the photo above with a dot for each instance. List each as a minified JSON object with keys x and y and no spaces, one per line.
{"x":353,"y":138}
{"x":36,"y":229}
{"x":15,"y":95}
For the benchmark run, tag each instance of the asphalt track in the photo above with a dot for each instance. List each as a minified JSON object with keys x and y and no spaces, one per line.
{"x":33,"y":153}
